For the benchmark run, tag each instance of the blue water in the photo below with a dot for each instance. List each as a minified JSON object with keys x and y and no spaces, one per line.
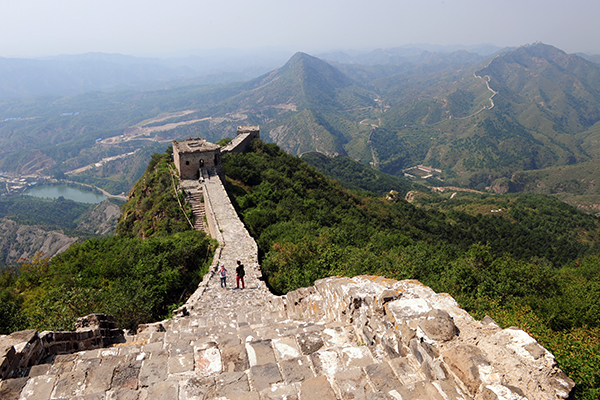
{"x":54,"y":192}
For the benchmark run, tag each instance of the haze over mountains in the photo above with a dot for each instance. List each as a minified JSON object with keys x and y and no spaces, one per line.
{"x":484,"y":119}
{"x":67,"y":75}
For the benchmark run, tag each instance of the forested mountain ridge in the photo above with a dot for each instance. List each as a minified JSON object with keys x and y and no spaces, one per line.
{"x":305,"y":105}
{"x":139,"y":275}
{"x":532,"y":263}
{"x":481,"y":121}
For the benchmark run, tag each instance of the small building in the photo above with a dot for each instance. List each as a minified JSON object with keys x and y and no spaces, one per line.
{"x":191,"y":155}
{"x":245,"y":135}
{"x":253,"y":131}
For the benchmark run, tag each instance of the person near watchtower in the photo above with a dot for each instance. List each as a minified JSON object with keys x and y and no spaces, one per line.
{"x":240,"y":273}
{"x":223,"y":275}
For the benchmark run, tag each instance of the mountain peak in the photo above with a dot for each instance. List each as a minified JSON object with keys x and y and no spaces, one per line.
{"x":308,"y":67}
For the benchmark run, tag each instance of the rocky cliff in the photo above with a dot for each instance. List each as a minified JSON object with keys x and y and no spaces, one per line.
{"x":24,"y":241}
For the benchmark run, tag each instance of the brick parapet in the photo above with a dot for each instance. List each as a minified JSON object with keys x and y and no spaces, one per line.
{"x":21,"y":350}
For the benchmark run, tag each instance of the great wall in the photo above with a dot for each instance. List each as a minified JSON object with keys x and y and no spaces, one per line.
{"x":365,"y":337}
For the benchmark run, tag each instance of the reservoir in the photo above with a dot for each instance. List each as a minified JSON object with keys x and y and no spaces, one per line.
{"x":75,"y":194}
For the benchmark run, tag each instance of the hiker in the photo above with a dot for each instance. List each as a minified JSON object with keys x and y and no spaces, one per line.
{"x":239,"y":272}
{"x":223,"y":275}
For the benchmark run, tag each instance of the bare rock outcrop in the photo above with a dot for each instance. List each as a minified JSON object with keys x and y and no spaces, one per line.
{"x":24,"y":241}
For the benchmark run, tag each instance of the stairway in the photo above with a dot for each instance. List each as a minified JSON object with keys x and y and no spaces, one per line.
{"x":195,"y":198}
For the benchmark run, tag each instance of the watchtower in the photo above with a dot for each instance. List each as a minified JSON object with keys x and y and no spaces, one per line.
{"x":192,"y":154}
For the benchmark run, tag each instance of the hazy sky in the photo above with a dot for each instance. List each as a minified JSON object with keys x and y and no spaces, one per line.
{"x":153,"y":27}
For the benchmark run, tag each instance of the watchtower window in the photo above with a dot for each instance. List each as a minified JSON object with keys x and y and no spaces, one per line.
{"x":187,"y":163}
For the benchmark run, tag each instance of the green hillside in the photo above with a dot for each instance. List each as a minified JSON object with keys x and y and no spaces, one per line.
{"x":357,"y":176}
{"x":479,"y":121}
{"x":533,"y":264}
{"x":149,"y":268}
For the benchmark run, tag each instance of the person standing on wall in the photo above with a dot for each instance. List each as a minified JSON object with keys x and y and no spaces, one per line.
{"x":240,"y":273}
{"x":223,"y":275}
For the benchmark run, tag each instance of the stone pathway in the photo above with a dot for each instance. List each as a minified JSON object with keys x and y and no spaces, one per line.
{"x":360,"y":338}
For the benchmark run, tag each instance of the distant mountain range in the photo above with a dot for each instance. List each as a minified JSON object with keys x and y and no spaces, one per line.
{"x":67,"y":75}
{"x":479,"y":117}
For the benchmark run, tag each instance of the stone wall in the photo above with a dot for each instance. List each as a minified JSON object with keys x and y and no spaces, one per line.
{"x":365,"y":337}
{"x":191,"y":155}
{"x":429,"y":336}
{"x":245,"y":136}
{"x":21,"y":350}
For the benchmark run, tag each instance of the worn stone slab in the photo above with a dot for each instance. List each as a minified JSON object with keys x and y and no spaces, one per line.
{"x":260,"y":352}
{"x":407,"y":309}
{"x":230,"y":383}
{"x":125,"y":376}
{"x":264,"y":375}
{"x":85,"y":365}
{"x":197,"y":388}
{"x":153,"y":370}
{"x":93,"y":396}
{"x":309,"y":342}
{"x":296,"y":370}
{"x":99,"y":377}
{"x":382,"y":377}
{"x":164,"y":390}
{"x":316,"y":389}
{"x":423,"y":390}
{"x":230,"y":339}
{"x":353,"y":384}
{"x":285,"y":348}
{"x":181,"y":363}
{"x":326,"y":362}
{"x":128,"y":350}
{"x":125,"y":394}
{"x":464,"y":360}
{"x":112,"y":352}
{"x":152,"y":347}
{"x":40,"y":369}
{"x":59,"y":367}
{"x":266,"y":332}
{"x":70,"y":385}
{"x":407,"y":369}
{"x":180,"y":347}
{"x":10,"y":389}
{"x":337,"y":337}
{"x":235,"y":358}
{"x":38,"y":388}
{"x":208,"y":360}
{"x":281,"y":392}
{"x":356,"y":356}
{"x":248,"y":334}
{"x":89,"y":354}
{"x":450,"y":389}
{"x":244,"y":396}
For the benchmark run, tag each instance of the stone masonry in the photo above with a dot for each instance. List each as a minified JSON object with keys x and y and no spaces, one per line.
{"x":344,"y":338}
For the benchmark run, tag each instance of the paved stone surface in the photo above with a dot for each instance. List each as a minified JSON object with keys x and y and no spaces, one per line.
{"x":359,"y":338}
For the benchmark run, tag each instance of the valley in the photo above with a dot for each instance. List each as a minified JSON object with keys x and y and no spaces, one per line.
{"x":474,"y":118}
